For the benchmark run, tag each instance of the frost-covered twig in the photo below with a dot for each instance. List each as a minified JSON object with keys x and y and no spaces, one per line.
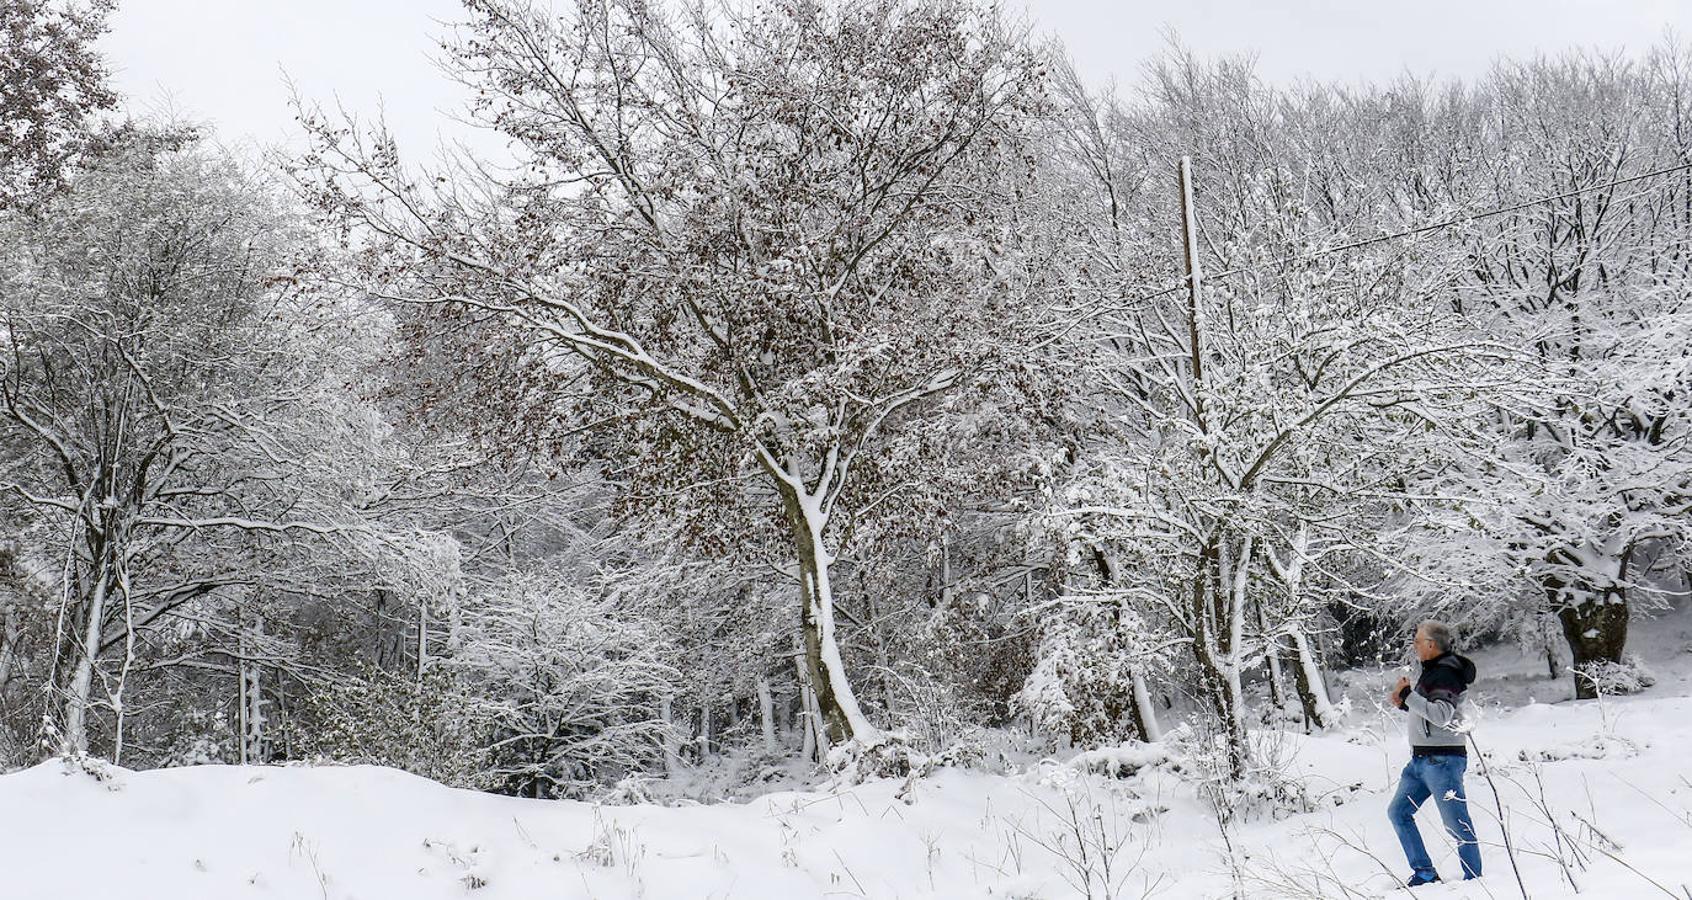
{"x":1503,"y":826}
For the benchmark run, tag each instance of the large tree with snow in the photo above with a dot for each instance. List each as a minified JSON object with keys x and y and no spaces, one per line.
{"x":1569,"y":494}
{"x":763,"y":247}
{"x":1261,"y":419}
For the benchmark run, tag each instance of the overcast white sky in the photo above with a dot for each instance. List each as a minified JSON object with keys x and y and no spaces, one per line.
{"x":223,"y":60}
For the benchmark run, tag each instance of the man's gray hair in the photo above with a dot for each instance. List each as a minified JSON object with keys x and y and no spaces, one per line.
{"x":1440,"y":633}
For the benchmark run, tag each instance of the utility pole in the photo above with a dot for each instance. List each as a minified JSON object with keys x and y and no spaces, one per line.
{"x":1189,"y":245}
{"x":1189,"y":234}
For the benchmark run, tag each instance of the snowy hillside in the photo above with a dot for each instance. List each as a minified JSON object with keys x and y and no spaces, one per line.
{"x":1613,"y":776}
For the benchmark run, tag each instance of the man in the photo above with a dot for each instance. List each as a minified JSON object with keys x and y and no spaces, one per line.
{"x":1438,"y":756}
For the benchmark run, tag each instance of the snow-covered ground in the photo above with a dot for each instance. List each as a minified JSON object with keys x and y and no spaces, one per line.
{"x":1596,"y":792}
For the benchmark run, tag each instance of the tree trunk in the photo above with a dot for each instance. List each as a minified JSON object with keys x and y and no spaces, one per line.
{"x":842,"y":719}
{"x":672,"y":739}
{"x":946,"y":571}
{"x":1141,"y":714}
{"x":808,"y":744}
{"x":10,"y":631}
{"x":1597,"y":634}
{"x":283,"y":717}
{"x":82,"y":677}
{"x":252,"y":700}
{"x":1590,"y":600}
{"x":1312,"y":689}
{"x":379,"y":627}
{"x":1272,"y":655}
{"x":422,"y":638}
{"x":1218,"y":619}
{"x":766,"y":715}
{"x":1277,"y":680}
{"x":1144,"y":713}
{"x":241,"y":709}
{"x":1220,"y":684}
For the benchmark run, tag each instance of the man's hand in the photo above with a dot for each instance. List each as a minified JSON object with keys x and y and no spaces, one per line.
{"x":1397,"y":690}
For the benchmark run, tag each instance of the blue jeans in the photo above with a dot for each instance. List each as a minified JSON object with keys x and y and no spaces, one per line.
{"x":1439,"y":777}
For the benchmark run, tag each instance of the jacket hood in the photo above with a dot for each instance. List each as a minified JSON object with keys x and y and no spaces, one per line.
{"x":1463,"y":666}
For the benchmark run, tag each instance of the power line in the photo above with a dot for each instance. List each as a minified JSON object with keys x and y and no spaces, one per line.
{"x":1423,"y":229}
{"x":1455,"y":221}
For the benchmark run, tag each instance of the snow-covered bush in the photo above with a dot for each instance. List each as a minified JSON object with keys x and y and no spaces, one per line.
{"x":1630,"y":676}
{"x":1082,"y":687}
{"x":568,"y":687}
{"x":202,"y":739}
{"x":1127,"y":759}
{"x":423,"y":726}
{"x":856,"y":762}
{"x":893,"y":757}
{"x":934,"y":714}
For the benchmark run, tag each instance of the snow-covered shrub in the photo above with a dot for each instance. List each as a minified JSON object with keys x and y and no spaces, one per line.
{"x":1082,"y":686}
{"x":1127,"y":759}
{"x":855,"y":762}
{"x":202,"y":739}
{"x":1262,"y":792}
{"x":423,"y":726}
{"x":1266,"y":787}
{"x":633,"y":789}
{"x":568,"y":687}
{"x":934,"y":714}
{"x":1630,"y":676}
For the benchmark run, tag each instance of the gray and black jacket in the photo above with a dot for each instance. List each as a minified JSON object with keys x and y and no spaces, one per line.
{"x":1437,"y":705}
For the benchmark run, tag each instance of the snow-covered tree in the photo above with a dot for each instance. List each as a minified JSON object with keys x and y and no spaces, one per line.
{"x":1260,"y":412}
{"x":1573,"y":491}
{"x":167,"y":436}
{"x":765,"y":248}
{"x":51,"y":82}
